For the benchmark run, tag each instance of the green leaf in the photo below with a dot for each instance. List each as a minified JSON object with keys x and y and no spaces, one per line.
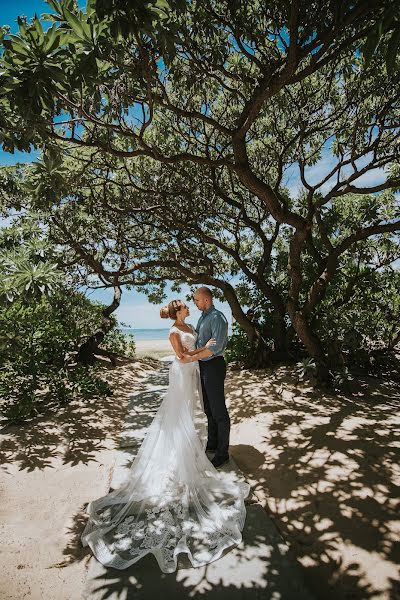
{"x":18,"y":45}
{"x":86,"y":30}
{"x":163,"y":5}
{"x":161,"y":14}
{"x":38,"y":27}
{"x":18,"y":61}
{"x":74,"y":23}
{"x":91,"y":7}
{"x":56,"y":73}
{"x":65,"y":36}
{"x":21,"y":26}
{"x":52,"y":40}
{"x":54,"y":5}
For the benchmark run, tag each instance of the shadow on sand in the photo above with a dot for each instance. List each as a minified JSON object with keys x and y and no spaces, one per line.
{"x":325,"y":466}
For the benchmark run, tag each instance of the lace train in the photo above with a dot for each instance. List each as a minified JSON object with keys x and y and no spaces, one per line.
{"x":173,"y":500}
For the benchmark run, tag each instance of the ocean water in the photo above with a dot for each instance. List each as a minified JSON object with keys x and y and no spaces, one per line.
{"x":149,"y":334}
{"x":146,"y":334}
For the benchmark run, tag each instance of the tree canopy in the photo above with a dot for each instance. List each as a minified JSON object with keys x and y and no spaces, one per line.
{"x":170,"y":130}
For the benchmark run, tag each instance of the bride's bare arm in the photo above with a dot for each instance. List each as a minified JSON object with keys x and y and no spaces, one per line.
{"x":176,"y":343}
{"x":199,"y":353}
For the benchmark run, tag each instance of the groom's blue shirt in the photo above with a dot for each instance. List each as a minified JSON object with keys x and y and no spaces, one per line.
{"x":212,"y":324}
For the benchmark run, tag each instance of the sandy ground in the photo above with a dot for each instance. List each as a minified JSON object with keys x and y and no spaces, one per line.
{"x":325,"y":467}
{"x":153,"y":348}
{"x":50,"y":469}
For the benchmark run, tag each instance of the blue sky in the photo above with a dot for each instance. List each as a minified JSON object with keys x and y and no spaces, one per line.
{"x":135,"y":308}
{"x":9,"y":11}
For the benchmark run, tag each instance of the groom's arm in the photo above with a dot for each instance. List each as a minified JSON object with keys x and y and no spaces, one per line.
{"x":198,"y":350}
{"x":203,"y":353}
{"x":219,"y":331}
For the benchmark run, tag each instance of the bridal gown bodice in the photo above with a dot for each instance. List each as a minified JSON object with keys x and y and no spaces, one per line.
{"x":184,"y":378}
{"x":173,"y":500}
{"x":188,"y":339}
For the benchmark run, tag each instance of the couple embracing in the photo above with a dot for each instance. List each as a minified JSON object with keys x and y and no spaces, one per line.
{"x":174,"y":499}
{"x":205,"y":345}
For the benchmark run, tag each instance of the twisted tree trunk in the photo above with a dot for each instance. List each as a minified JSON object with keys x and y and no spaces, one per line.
{"x":87,"y":351}
{"x":298,"y":317}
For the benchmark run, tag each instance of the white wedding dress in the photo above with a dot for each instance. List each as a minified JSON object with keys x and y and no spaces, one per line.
{"x":173,"y":500}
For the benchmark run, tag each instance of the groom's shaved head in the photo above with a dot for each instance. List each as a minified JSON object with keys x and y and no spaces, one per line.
{"x":203,"y":298}
{"x":205,"y":291}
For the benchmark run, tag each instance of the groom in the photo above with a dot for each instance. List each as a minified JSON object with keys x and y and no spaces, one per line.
{"x":213,"y":324}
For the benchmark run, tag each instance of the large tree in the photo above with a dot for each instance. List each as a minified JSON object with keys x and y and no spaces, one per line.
{"x":244,"y":91}
{"x":118,"y":231}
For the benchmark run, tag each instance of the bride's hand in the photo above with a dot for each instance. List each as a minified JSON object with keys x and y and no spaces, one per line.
{"x":211,"y":342}
{"x":186,"y":358}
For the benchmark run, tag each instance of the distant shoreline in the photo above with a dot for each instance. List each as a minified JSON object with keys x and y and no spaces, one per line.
{"x":154,"y":348}
{"x":146,"y":333}
{"x":150,"y":342}
{"x":150,"y":334}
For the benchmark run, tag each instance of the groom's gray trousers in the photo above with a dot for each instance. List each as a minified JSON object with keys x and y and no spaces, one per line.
{"x":213,"y":374}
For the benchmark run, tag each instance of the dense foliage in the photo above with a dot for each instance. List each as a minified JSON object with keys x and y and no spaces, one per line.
{"x":170,"y":132}
{"x":43,"y":321}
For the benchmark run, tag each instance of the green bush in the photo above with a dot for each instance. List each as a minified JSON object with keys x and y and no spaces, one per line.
{"x":116,"y":341}
{"x":38,"y":337}
{"x":238,"y":347}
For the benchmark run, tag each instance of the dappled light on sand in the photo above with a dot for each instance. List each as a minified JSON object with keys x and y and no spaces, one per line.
{"x":259,"y":568}
{"x":326,"y":468}
{"x":235,"y":573}
{"x":48,"y":469}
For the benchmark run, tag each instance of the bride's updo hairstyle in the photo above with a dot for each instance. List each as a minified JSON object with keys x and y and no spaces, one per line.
{"x":169,"y":310}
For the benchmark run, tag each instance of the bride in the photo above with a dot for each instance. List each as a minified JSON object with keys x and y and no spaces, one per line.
{"x":174,"y":499}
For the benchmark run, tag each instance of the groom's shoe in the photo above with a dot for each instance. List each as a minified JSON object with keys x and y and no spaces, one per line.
{"x":217,"y":461}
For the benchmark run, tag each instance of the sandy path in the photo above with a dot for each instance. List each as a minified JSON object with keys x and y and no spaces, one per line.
{"x":154,"y":348}
{"x":325,"y":467}
{"x":50,"y":469}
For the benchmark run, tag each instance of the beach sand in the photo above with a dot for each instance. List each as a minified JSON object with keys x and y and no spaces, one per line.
{"x":325,"y":467}
{"x":153,"y":348}
{"x":50,"y":467}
